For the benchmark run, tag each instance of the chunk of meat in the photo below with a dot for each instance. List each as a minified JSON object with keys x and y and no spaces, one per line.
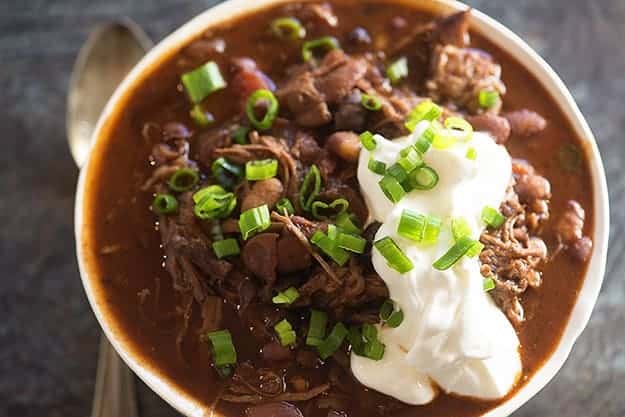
{"x":308,"y":94}
{"x":498,"y":127}
{"x":506,"y":296}
{"x":318,"y":14}
{"x":211,"y":139}
{"x":525,"y":123}
{"x":267,"y":191}
{"x":459,"y":74}
{"x":301,"y":97}
{"x":570,"y":227}
{"x":345,"y":145}
{"x":350,"y":114}
{"x":292,"y":255}
{"x":260,"y":256}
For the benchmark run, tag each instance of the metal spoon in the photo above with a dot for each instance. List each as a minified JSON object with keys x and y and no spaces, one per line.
{"x":107,"y":56}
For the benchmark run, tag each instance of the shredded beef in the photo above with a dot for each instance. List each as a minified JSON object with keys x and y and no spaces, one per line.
{"x":513,"y":253}
{"x":459,"y":74}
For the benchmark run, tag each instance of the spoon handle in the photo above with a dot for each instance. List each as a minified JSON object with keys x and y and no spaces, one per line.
{"x":114,"y":394}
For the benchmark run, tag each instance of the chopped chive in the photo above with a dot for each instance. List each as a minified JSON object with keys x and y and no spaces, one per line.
{"x":397,"y":70}
{"x":165,"y":204}
{"x":492,"y":217}
{"x":226,"y":247}
{"x":203,"y":81}
{"x":394,"y":256}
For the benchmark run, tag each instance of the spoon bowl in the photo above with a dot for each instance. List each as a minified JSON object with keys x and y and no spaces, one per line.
{"x":109,"y":53}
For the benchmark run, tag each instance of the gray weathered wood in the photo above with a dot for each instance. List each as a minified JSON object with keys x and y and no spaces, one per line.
{"x":48,"y":335}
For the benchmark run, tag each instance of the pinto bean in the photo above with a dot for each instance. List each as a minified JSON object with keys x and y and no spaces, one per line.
{"x":346,"y":145}
{"x":581,"y":249}
{"x":292,"y":255}
{"x":532,"y":187}
{"x":260,"y":256}
{"x":263,"y":192}
{"x":525,"y":123}
{"x":498,"y":127}
{"x":571,"y":225}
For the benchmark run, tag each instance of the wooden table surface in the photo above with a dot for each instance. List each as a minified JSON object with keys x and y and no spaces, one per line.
{"x":48,"y":334}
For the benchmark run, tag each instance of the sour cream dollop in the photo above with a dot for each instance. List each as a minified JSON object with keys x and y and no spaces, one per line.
{"x":453,"y":336}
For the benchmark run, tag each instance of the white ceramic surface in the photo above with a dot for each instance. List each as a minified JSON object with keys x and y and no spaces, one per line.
{"x":496,"y":33}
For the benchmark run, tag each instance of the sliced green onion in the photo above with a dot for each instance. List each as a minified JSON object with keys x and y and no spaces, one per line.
{"x":376,"y":166}
{"x":492,"y":217}
{"x":351,"y":242}
{"x":354,"y":338}
{"x":310,"y":188}
{"x":183,"y":179}
{"x":570,"y":157}
{"x":391,"y":316}
{"x":285,"y":333}
{"x":394,"y":256}
{"x":369,"y":332}
{"x":285,"y":206}
{"x":397,"y":70}
{"x":371,"y":103}
{"x":333,"y":342}
{"x":203,"y":81}
{"x":322,"y":211}
{"x":287,"y":296}
{"x":333,"y":232}
{"x":458,"y":124}
{"x":471,"y":154}
{"x":475,"y":250}
{"x":398,"y":172}
{"x":213,"y":202}
{"x":254,"y":221}
{"x":325,"y":43}
{"x":427,"y":137}
{"x":432,"y":230}
{"x":165,"y":204}
{"x":201,"y":117}
{"x":330,"y":248}
{"x":368,"y":141}
{"x":424,"y":178}
{"x":395,"y":319}
{"x":224,"y":371}
{"x":412,"y":225}
{"x":316,"y":328}
{"x":288,"y":28}
{"x":348,"y":223}
{"x":488,"y":99}
{"x":453,"y":255}
{"x":374,"y":350}
{"x":386,"y":310}
{"x":261,"y":170}
{"x":460,"y":227}
{"x":223,"y":349}
{"x":226,"y":173}
{"x":392,"y":188}
{"x":411,"y":160}
{"x":426,"y":110}
{"x":489,"y":284}
{"x":226,"y":247}
{"x":240,"y":135}
{"x":272,"y":107}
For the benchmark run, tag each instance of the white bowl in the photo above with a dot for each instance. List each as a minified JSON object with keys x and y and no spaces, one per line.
{"x":494,"y":32}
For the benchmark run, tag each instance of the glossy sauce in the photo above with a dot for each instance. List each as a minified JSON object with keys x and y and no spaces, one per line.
{"x":122,"y":245}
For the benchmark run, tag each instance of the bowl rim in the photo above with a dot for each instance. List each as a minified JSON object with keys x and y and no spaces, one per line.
{"x":496,"y":33}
